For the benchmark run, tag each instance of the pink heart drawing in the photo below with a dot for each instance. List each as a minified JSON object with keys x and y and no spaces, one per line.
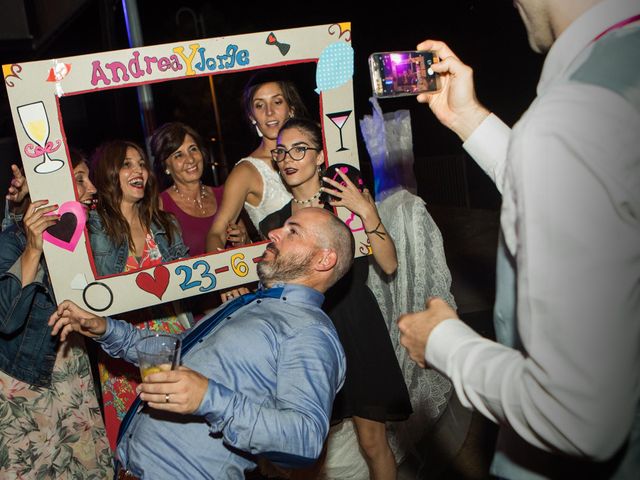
{"x":66,"y":233}
{"x":156,"y":284}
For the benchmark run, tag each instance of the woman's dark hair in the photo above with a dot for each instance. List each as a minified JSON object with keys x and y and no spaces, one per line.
{"x":289,"y":92}
{"x":307,"y":126}
{"x":166,"y":139}
{"x":107,"y":162}
{"x":77,"y":157}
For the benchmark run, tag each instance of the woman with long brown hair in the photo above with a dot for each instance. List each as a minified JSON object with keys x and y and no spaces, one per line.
{"x":268,"y":101}
{"x":128,"y":231}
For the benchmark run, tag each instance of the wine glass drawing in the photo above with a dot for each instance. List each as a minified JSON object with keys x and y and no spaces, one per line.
{"x":33,"y":117}
{"x":339,"y":119}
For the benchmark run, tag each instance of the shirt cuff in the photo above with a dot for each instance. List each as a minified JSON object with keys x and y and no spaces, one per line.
{"x":488,"y":146}
{"x":105,"y":338}
{"x":444,"y":340}
{"x":214,"y":404}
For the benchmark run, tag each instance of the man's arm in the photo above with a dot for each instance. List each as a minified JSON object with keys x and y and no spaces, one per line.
{"x":575,"y":389}
{"x":118,"y":338}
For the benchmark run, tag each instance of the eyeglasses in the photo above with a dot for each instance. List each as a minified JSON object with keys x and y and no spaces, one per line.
{"x":296,"y":153}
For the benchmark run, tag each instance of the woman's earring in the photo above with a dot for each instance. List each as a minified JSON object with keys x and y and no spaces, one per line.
{"x":255,"y":124}
{"x":167,"y":172}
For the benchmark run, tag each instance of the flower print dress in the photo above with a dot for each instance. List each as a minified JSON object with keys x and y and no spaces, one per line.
{"x":56,"y":431}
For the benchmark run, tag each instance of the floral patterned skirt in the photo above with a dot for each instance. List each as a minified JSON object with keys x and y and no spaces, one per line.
{"x":54,"y":432}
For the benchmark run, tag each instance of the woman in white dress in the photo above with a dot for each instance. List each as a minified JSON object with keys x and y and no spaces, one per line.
{"x":254,"y":183}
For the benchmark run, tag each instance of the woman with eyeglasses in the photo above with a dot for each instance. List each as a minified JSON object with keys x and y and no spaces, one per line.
{"x":374,"y":391}
{"x":268,"y":102}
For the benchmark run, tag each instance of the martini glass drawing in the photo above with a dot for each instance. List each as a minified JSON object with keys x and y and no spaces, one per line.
{"x":33,"y":117}
{"x":339,"y":119}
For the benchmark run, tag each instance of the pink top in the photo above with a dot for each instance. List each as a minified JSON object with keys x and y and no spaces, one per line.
{"x":194,"y":229}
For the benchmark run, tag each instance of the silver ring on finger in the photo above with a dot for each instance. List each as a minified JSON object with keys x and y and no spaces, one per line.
{"x":166,"y":398}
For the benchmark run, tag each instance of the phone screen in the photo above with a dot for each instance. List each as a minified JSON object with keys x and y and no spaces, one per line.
{"x":396,"y":74}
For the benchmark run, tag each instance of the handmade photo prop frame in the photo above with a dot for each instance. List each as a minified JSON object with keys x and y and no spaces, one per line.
{"x":35,"y":90}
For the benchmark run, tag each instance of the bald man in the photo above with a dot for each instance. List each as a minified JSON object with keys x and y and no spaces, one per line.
{"x":260,"y":382}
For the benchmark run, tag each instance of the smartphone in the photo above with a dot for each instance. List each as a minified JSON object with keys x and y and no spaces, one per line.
{"x":396,"y":74}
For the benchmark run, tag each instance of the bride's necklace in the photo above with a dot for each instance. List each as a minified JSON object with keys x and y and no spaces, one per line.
{"x":197,"y":200}
{"x":309,"y":200}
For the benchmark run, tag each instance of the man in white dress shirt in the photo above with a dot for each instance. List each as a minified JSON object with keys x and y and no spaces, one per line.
{"x":563,"y":382}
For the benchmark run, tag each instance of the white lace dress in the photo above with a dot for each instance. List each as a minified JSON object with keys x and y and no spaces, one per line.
{"x":422,"y":273}
{"x":274,"y":194}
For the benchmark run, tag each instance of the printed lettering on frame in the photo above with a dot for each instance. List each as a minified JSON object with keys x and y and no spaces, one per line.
{"x":35,"y":88}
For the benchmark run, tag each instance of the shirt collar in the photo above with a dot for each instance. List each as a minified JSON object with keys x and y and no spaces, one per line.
{"x":578,"y":36}
{"x":299,"y":294}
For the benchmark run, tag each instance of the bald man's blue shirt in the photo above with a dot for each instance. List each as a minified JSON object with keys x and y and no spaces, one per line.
{"x":274,"y":367}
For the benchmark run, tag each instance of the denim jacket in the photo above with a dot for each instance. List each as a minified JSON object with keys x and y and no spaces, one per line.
{"x":27,"y":349}
{"x":111,"y":259}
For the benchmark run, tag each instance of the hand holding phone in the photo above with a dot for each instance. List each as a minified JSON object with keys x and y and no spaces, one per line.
{"x":352,"y":173}
{"x":397,"y":74}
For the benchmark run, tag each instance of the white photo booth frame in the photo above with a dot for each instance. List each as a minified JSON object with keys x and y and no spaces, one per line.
{"x":34,"y":91}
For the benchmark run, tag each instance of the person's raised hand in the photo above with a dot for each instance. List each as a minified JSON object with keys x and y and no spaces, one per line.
{"x":237,"y":234}
{"x":455,"y":105}
{"x":69,"y":317}
{"x":18,"y":188}
{"x":346,"y":194}
{"x":37,"y":219}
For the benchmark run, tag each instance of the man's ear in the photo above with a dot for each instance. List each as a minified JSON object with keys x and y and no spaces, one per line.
{"x":326,"y":260}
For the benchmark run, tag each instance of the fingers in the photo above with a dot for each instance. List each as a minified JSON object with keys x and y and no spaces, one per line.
{"x":441,"y":49}
{"x":233,"y":293}
{"x":340,"y":189}
{"x":236,"y":234}
{"x":348,"y":184}
{"x":435,"y":302}
{"x":36,"y":220}
{"x":18,"y":188}
{"x":69,"y":317}
{"x":17,"y":173}
{"x":178,"y":390}
{"x":164,"y":392}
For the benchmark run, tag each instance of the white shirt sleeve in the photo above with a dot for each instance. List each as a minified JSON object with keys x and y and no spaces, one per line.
{"x":487,"y":145}
{"x":576,"y":385}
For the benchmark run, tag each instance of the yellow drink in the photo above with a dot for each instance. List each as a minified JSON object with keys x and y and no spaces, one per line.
{"x":149,"y":369}
{"x":37,"y":130}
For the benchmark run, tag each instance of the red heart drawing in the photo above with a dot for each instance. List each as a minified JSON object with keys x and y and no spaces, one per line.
{"x":156,"y":284}
{"x":271,"y":39}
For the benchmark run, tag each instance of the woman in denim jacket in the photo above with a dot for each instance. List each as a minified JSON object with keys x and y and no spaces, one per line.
{"x":128,"y":231}
{"x":46,"y":389}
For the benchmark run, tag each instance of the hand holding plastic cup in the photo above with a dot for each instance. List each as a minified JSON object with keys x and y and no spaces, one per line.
{"x":158,"y":353}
